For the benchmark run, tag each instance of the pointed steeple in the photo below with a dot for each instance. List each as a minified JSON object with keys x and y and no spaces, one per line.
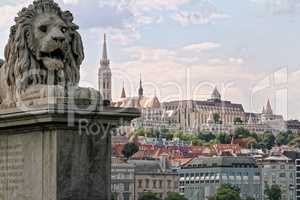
{"x":215,"y":96}
{"x":269,"y":108}
{"x":263,"y":110}
{"x":123,"y":94}
{"x":141,"y":90}
{"x":104,"y":60}
{"x":104,"y":75}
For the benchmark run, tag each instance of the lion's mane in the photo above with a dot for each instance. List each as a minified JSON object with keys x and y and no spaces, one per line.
{"x":21,"y":64}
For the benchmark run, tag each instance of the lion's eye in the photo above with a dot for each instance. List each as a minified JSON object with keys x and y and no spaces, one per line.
{"x":43,"y":28}
{"x":63,"y":29}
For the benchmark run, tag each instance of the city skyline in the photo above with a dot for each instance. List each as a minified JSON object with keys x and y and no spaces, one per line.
{"x":181,"y":45}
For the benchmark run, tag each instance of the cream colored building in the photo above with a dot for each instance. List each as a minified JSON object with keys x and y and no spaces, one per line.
{"x":152,"y":176}
{"x":190,"y":114}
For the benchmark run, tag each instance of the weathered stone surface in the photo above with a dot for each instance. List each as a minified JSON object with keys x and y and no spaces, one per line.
{"x":44,"y":49}
{"x":54,"y":135}
{"x":43,"y":157}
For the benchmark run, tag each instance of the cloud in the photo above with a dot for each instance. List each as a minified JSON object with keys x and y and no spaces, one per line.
{"x":280,"y":7}
{"x":186,"y":18}
{"x":202,"y":46}
{"x":167,"y":72}
{"x":226,"y":61}
{"x":204,"y":12}
{"x":8,"y":12}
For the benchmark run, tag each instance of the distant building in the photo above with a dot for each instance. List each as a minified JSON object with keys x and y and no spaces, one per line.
{"x":202,"y":176}
{"x":122,"y":179}
{"x":293,"y":125}
{"x":151,"y":110}
{"x":191,"y":114}
{"x":153,"y":176}
{"x":104,"y":75}
{"x":279,"y":170}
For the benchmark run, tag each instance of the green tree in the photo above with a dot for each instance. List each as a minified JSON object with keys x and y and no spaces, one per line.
{"x":241,"y":132}
{"x":149,"y":196}
{"x":284,"y":138}
{"x":222,"y":138}
{"x":237,"y":120}
{"x":227,"y":192}
{"x":114,"y":196}
{"x":273,"y":193}
{"x":268,"y":140}
{"x":175,"y":196}
{"x":129,"y":149}
{"x":207,"y":137}
{"x":169,"y":136}
{"x":139,"y":131}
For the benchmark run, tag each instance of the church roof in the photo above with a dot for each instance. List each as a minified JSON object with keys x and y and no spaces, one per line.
{"x":269,"y":108}
{"x":204,"y":104}
{"x":138,"y":102}
{"x":215,"y":95}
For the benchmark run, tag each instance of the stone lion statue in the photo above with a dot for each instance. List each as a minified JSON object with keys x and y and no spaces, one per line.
{"x":44,"y":49}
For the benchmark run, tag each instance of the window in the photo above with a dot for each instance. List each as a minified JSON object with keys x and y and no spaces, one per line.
{"x":154,"y":183}
{"x":169,"y":184}
{"x":160,"y":183}
{"x":282,"y":175}
{"x":147,"y":183}
{"x":126,"y":196}
{"x":126,"y":187}
{"x":140,"y":183}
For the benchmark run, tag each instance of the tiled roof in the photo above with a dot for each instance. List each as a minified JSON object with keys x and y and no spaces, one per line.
{"x":220,"y":161}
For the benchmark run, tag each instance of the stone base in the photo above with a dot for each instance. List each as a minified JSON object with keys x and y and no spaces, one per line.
{"x":51,"y":155}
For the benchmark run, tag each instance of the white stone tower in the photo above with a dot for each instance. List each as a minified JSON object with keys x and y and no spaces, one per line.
{"x":104,"y":75}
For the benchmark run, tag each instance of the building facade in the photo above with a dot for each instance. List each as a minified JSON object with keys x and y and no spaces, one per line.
{"x":152,"y":176}
{"x":279,"y":170}
{"x":202,"y":176}
{"x":122,"y":180}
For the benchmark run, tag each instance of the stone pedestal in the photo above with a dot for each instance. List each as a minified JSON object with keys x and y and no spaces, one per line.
{"x":54,"y":154}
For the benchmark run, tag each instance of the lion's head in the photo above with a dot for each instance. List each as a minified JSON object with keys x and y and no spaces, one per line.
{"x":44,"y":40}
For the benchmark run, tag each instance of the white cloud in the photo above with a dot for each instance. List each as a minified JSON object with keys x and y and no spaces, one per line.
{"x":280,"y":7}
{"x":147,"y":5}
{"x":202,"y":46}
{"x":9,"y":12}
{"x":186,"y":18}
{"x":226,"y":61}
{"x":204,"y":12}
{"x":163,"y":67}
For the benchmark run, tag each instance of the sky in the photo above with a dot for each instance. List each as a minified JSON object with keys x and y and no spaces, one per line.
{"x":248,"y":49}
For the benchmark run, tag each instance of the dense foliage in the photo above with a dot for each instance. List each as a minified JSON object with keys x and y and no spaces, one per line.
{"x":175,"y":196}
{"x":130,"y":149}
{"x":149,"y":196}
{"x":273,"y":192}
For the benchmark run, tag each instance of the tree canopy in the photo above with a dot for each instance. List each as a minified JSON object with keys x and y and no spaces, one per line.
{"x":273,"y":192}
{"x":129,"y":149}
{"x":148,"y":196}
{"x":175,"y":196}
{"x":227,"y":192}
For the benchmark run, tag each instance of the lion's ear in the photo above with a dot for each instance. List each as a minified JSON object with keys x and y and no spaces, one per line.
{"x":77,"y":48}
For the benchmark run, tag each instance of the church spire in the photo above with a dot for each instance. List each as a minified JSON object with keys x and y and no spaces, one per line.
{"x":269,"y":108}
{"x":104,"y":60}
{"x":104,"y":75}
{"x":141,"y":90}
{"x":123,"y":94}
